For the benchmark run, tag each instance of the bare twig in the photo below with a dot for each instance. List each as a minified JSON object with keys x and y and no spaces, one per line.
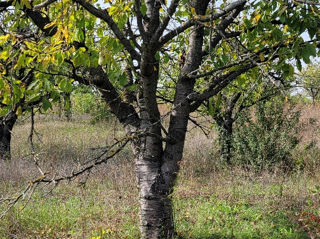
{"x":45,"y":179}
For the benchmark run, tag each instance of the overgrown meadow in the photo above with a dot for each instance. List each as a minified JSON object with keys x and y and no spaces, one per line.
{"x":211,"y":199}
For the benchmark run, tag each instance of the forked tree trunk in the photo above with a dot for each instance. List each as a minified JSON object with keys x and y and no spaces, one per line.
{"x":6,"y":125}
{"x":156,"y":167}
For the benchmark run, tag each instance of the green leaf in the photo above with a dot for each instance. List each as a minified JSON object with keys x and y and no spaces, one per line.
{"x":46,"y":104}
{"x":66,"y":103}
{"x":33,"y":84}
{"x":123,"y":80}
{"x":100,"y":32}
{"x":34,"y":97}
{"x":65,"y":85}
{"x":4,"y":111}
{"x":80,"y":35}
{"x":307,"y":51}
{"x":17,"y":93}
{"x":143,"y":9}
{"x":133,"y":87}
{"x":299,"y":66}
{"x":310,"y":49}
{"x":210,"y":108}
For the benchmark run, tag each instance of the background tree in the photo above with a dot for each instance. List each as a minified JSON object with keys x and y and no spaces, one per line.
{"x":243,"y":93}
{"x":309,"y":78}
{"x":124,"y":47}
{"x":22,"y":88}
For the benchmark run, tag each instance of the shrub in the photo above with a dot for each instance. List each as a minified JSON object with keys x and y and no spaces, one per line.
{"x":88,"y":101}
{"x":267,"y":136}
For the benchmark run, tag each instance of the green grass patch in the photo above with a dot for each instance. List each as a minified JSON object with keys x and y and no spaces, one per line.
{"x":215,"y":218}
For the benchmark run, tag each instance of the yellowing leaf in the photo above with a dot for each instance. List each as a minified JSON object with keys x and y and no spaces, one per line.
{"x":26,"y":3}
{"x":19,"y":111}
{"x":126,"y":7}
{"x":261,"y":56}
{"x":101,"y":59}
{"x":7,"y":100}
{"x":4,"y":55}
{"x":193,"y":11}
{"x":257,"y":18}
{"x":113,"y":10}
{"x":50,"y":24}
{"x":4,"y":39}
{"x":30,"y":45}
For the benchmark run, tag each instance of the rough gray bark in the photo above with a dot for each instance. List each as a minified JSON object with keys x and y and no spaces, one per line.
{"x":6,"y":126}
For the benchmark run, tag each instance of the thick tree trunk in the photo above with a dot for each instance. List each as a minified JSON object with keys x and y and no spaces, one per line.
{"x":6,"y":125}
{"x":155,"y":206}
{"x":156,"y":220}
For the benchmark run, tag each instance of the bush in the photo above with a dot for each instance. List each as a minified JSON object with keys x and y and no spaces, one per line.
{"x":88,"y":101}
{"x":267,"y":136}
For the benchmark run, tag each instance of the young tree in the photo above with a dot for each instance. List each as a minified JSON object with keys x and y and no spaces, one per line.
{"x":125,"y":48}
{"x":245,"y":92}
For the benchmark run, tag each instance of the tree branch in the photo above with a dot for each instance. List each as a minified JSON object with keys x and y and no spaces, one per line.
{"x":43,"y":4}
{"x":307,"y":2}
{"x":220,"y":29}
{"x":104,"y":15}
{"x":137,"y":5}
{"x":217,"y":85}
{"x":41,"y":21}
{"x":171,"y":10}
{"x":124,"y":111}
{"x":173,"y":33}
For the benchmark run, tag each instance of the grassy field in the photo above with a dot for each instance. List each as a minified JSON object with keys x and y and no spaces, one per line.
{"x":209,"y":201}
